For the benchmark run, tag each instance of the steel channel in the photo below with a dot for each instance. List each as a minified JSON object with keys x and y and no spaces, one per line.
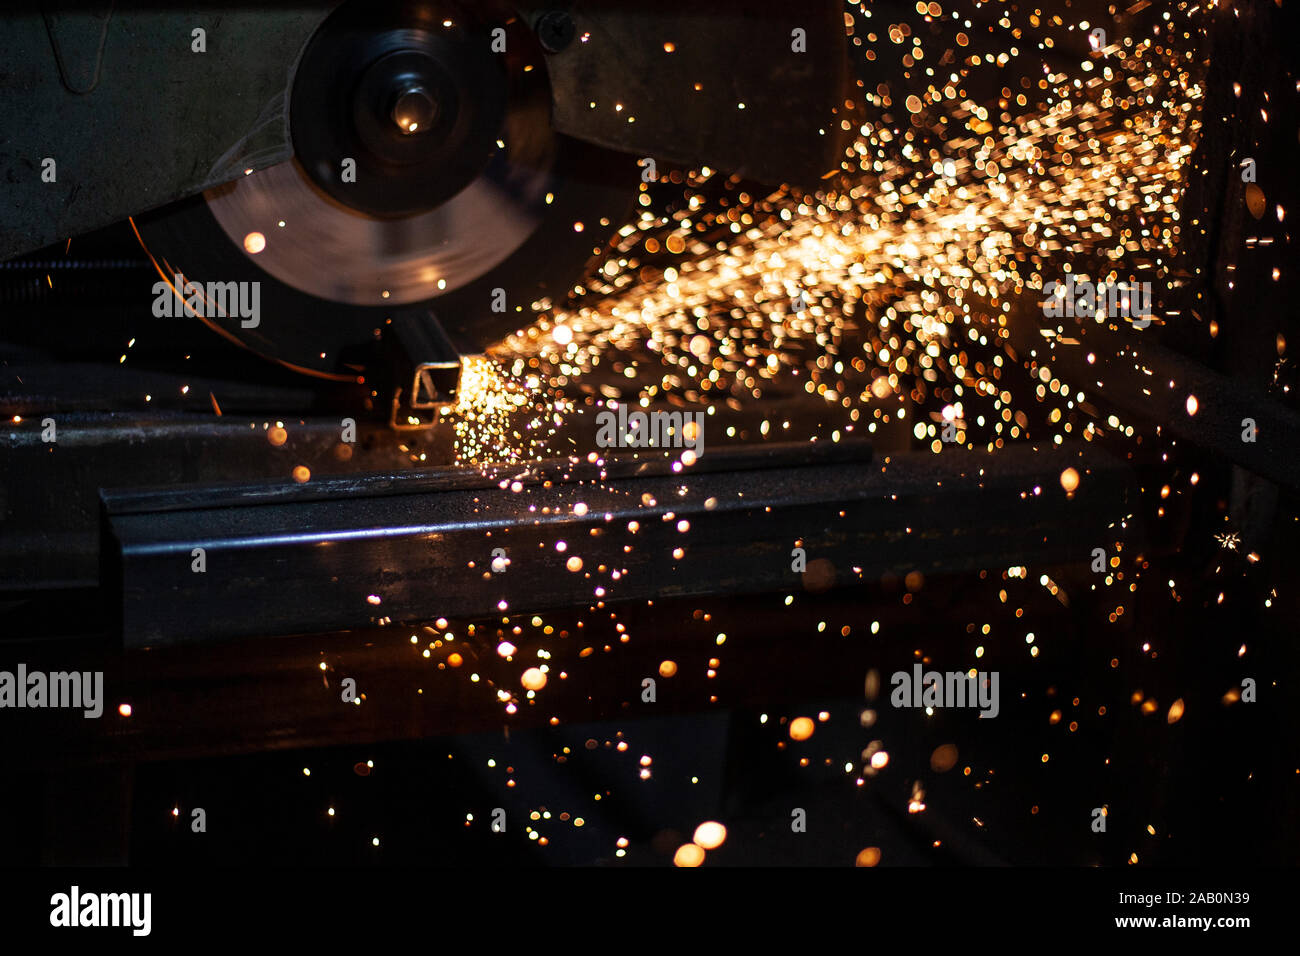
{"x":291,"y":560}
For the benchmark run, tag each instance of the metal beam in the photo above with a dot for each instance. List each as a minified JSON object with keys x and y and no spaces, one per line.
{"x":291,"y":559}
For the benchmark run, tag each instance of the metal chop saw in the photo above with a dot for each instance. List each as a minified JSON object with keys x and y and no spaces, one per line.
{"x":402,"y":180}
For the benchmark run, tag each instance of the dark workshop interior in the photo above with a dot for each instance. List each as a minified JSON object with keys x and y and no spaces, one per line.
{"x":314,"y":319}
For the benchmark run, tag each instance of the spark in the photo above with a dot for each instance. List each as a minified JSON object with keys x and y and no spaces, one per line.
{"x":895,"y":281}
{"x":1229,"y":540}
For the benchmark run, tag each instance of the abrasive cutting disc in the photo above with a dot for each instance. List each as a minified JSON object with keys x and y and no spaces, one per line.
{"x":317,"y":245}
{"x":486,"y":198}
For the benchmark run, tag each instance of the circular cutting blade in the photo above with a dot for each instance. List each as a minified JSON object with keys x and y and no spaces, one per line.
{"x":319,"y":246}
{"x":532,"y":209}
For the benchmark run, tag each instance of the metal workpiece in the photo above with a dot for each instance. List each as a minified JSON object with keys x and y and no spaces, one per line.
{"x":49,"y":493}
{"x":425,"y":367}
{"x":350,"y":552}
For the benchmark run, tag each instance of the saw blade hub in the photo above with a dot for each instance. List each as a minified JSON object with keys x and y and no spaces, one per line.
{"x":417,"y":108}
